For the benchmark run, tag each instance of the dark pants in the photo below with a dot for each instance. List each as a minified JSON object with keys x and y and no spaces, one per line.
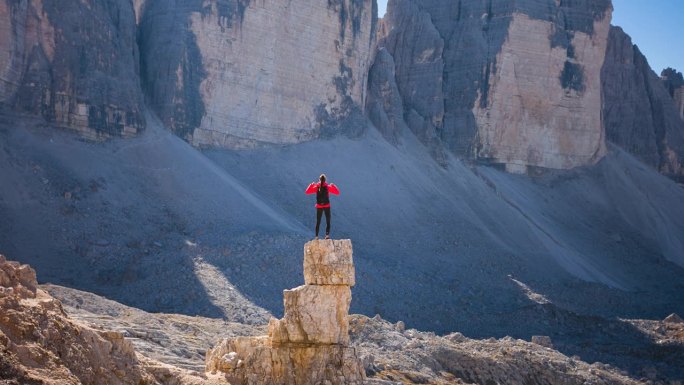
{"x":319,"y":213}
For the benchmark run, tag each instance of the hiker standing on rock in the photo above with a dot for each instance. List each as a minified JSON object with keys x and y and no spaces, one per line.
{"x":322,"y":191}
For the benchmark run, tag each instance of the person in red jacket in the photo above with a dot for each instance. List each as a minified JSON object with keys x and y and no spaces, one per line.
{"x":322,"y":191}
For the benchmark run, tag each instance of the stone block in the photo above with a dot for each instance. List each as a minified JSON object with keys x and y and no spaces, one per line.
{"x":329,"y":262}
{"x":313,"y":315}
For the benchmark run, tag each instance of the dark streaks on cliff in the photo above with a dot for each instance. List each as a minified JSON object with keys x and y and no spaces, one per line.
{"x":439,"y":91}
{"x":229,"y":11}
{"x":572,"y":76}
{"x":171,"y":64}
{"x":580,"y":15}
{"x":673,"y":79}
{"x":383,"y":105}
{"x":35,"y":93}
{"x":638,"y":112}
{"x":81,"y":59}
{"x":352,"y":10}
{"x":347,"y":118}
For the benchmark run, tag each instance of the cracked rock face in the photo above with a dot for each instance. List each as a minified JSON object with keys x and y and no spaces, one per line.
{"x":329,"y":263}
{"x":240,"y":73}
{"x":313,"y":315}
{"x":223,"y":73}
{"x":639,"y":113}
{"x":543,"y":105}
{"x":73,"y":63}
{"x":309,"y":345}
{"x":514,"y":83}
{"x":679,"y":101}
{"x":383,"y":105}
{"x":41,"y":344}
{"x":250,"y":361}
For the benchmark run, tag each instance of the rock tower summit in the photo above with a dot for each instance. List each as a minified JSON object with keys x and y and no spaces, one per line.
{"x":310,"y":344}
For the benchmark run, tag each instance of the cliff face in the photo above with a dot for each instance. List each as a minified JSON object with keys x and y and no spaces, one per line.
{"x":638,"y":112}
{"x":674,"y":82}
{"x":679,"y":101}
{"x":74,"y":63}
{"x":237,"y":73}
{"x":228,"y":73}
{"x":508,"y":82}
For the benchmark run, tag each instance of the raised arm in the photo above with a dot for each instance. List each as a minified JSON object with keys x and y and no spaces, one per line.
{"x":333,"y":189}
{"x":312,"y":188}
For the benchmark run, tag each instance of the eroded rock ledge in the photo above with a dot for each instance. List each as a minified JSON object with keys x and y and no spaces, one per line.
{"x":41,"y":344}
{"x":310,"y":344}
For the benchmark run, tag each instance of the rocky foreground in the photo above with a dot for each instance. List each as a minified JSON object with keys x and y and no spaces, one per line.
{"x":41,"y":344}
{"x":104,"y":342}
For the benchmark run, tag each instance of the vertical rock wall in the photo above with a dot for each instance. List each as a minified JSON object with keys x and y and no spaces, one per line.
{"x":239,"y":73}
{"x":383,"y":105}
{"x":674,"y":82}
{"x":512,"y":82}
{"x":679,"y":101}
{"x":543,"y":105}
{"x":72,"y":62}
{"x":227,"y":73}
{"x":638,"y":112}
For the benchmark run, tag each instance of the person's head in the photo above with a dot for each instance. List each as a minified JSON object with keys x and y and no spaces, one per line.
{"x":322,"y":178}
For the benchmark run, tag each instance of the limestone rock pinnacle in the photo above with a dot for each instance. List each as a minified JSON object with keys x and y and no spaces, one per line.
{"x":309,"y":345}
{"x":329,"y":262}
{"x":313,"y":314}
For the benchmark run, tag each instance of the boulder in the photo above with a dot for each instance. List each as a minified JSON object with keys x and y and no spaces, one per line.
{"x":260,"y":363}
{"x":328,"y":262}
{"x":673,"y":318}
{"x":17,"y":279}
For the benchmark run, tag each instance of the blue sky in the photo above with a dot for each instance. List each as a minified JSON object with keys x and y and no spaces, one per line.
{"x":656,"y":26}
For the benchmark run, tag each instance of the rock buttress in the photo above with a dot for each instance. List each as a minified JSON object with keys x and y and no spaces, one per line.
{"x":507,"y":82}
{"x":638,"y":112}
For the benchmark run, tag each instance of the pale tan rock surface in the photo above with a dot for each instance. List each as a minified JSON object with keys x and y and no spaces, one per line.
{"x":329,"y":262}
{"x":39,"y":343}
{"x":309,"y":345}
{"x":255,"y":361}
{"x":515,"y":83}
{"x":174,"y":339}
{"x":277,"y":72}
{"x":313,"y":315}
{"x":533,"y":119}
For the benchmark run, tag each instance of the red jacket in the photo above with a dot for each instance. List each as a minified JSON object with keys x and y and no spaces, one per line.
{"x":313,"y":188}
